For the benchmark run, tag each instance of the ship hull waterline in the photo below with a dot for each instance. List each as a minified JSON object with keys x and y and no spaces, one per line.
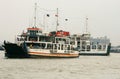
{"x":54,"y":55}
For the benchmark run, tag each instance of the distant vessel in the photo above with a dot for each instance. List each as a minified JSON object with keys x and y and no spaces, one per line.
{"x":88,"y":45}
{"x":59,"y":43}
{"x":115,"y":49}
{"x":1,"y":48}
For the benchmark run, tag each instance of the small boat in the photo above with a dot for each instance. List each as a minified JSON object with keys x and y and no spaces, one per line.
{"x":1,"y":48}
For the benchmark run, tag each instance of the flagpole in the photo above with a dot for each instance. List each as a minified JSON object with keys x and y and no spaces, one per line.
{"x":44,"y":21}
{"x":35,"y":15}
{"x":57,"y":24}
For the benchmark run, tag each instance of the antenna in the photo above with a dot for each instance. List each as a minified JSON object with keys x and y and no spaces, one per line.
{"x":35,"y":15}
{"x":44,"y":22}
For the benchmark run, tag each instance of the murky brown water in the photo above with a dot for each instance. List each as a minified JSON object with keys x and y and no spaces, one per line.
{"x":84,"y":67}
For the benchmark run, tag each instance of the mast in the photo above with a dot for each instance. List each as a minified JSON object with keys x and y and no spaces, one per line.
{"x":35,"y":14}
{"x":86,"y":24}
{"x":57,"y":24}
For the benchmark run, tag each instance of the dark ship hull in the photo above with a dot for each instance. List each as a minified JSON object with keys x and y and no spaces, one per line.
{"x":12,"y":50}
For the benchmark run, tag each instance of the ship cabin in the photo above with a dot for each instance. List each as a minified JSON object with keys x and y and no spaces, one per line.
{"x":62,"y":45}
{"x":34,"y":35}
{"x":56,"y":42}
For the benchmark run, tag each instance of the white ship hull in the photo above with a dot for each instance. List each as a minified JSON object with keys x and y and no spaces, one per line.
{"x":48,"y":53}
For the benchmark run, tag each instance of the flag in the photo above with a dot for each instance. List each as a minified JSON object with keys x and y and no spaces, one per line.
{"x":66,"y":19}
{"x":48,"y":15}
{"x":86,"y":18}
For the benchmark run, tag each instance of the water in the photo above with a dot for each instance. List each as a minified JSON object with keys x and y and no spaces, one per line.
{"x":84,"y":67}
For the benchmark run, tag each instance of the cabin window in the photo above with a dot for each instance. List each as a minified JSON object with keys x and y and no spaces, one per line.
{"x":88,"y":47}
{"x":72,"y":48}
{"x":83,"y":48}
{"x":104,"y":47}
{"x":78,"y":38}
{"x":33,"y":38}
{"x":68,"y":47}
{"x":40,"y":31}
{"x":65,"y":47}
{"x":36,"y":46}
{"x":61,"y":47}
{"x":25,"y":38}
{"x":83,"y":43}
{"x":55,"y":46}
{"x":49,"y":46}
{"x":93,"y":46}
{"x":99,"y":47}
{"x":78,"y":47}
{"x":42,"y":45}
{"x":78,"y":42}
{"x":73,"y":42}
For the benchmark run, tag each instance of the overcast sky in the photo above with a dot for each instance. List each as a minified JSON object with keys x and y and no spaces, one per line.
{"x":104,"y":17}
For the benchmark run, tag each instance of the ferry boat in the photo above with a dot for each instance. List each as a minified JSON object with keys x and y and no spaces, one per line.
{"x":87,"y":45}
{"x":35,"y":43}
